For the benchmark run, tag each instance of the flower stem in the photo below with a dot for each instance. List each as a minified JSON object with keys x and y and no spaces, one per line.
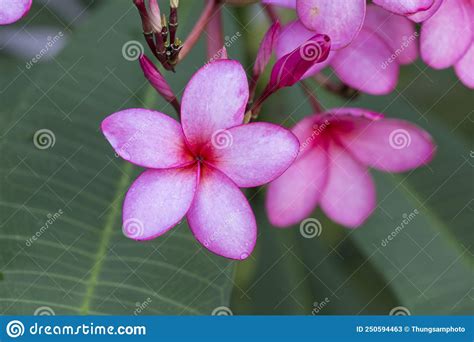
{"x":271,"y":13}
{"x":215,"y":33}
{"x":177,"y":107}
{"x":311,"y":96}
{"x":340,"y":89}
{"x":198,"y":28}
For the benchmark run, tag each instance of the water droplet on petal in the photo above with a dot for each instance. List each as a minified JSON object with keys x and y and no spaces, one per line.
{"x":244,"y":256}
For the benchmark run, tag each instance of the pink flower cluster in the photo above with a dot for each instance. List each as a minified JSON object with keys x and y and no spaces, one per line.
{"x":195,"y":167}
{"x":370,"y":42}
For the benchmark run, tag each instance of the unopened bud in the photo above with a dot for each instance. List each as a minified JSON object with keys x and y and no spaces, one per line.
{"x":163,"y":20}
{"x":155,"y":16}
{"x":174,"y":3}
{"x":292,"y":67}
{"x":266,"y":49}
{"x":157,"y":80}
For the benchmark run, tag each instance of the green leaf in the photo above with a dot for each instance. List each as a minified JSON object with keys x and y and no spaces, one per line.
{"x":427,"y":267}
{"x":61,"y":243}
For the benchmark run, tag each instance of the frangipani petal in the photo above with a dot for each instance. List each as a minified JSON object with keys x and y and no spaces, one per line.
{"x":365,"y":65}
{"x":213,"y":100}
{"x":293,"y":196}
{"x":425,"y":15}
{"x":405,"y":7}
{"x":254,"y":154}
{"x":341,"y":20}
{"x":220,"y":216}
{"x":309,"y":132}
{"x":352,"y":111}
{"x":157,"y":201}
{"x":349,"y":196}
{"x":465,"y":68}
{"x":446,"y":36}
{"x":388,"y":144}
{"x":13,"y":10}
{"x":146,"y":138}
{"x":399,"y":32}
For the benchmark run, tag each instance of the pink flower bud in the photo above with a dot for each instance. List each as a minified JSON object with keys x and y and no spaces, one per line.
{"x":266,"y":49}
{"x":157,"y":80}
{"x":290,"y":68}
{"x":155,"y":16}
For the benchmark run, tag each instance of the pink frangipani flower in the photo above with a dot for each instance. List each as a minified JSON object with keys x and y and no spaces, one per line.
{"x":336,"y":149}
{"x":371,"y":62}
{"x":342,"y":19}
{"x":406,"y":7}
{"x":196,"y":168}
{"x":447,"y":39}
{"x":423,"y":15}
{"x":13,"y":10}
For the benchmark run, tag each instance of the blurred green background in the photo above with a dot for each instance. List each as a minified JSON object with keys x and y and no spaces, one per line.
{"x":82,"y":264}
